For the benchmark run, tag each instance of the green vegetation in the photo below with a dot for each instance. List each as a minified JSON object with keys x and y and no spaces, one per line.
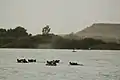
{"x":19,"y":38}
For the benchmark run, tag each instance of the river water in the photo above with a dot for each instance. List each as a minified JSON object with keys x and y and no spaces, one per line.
{"x":98,"y":65}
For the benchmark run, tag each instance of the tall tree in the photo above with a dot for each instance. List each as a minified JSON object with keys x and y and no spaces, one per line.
{"x":46,"y":30}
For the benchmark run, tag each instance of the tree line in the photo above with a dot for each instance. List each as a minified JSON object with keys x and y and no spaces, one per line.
{"x":19,"y":38}
{"x":17,"y":32}
{"x":87,"y":43}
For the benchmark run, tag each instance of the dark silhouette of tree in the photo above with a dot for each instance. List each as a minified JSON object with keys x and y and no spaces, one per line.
{"x":2,"y":32}
{"x":46,"y":30}
{"x":20,"y":32}
{"x":17,"y":32}
{"x":14,"y":33}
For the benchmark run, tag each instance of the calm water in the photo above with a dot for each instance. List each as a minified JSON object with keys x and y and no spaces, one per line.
{"x":98,"y":65}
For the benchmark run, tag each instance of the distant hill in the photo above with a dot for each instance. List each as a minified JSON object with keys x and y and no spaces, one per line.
{"x":105,"y":31}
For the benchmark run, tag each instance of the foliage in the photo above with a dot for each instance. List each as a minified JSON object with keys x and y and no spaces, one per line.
{"x":46,"y":30}
{"x":19,"y":38}
{"x":107,"y":46}
{"x":17,"y":32}
{"x":20,"y":43}
{"x":86,"y":43}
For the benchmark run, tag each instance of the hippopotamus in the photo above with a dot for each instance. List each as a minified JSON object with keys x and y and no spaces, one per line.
{"x":73,"y":63}
{"x":51,"y":63}
{"x":22,"y":61}
{"x":31,"y":60}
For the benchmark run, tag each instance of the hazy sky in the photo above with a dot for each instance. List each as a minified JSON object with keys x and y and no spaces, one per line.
{"x":63,"y":16}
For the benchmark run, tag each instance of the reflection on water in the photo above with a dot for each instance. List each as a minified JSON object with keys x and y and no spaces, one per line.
{"x":98,"y":65}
